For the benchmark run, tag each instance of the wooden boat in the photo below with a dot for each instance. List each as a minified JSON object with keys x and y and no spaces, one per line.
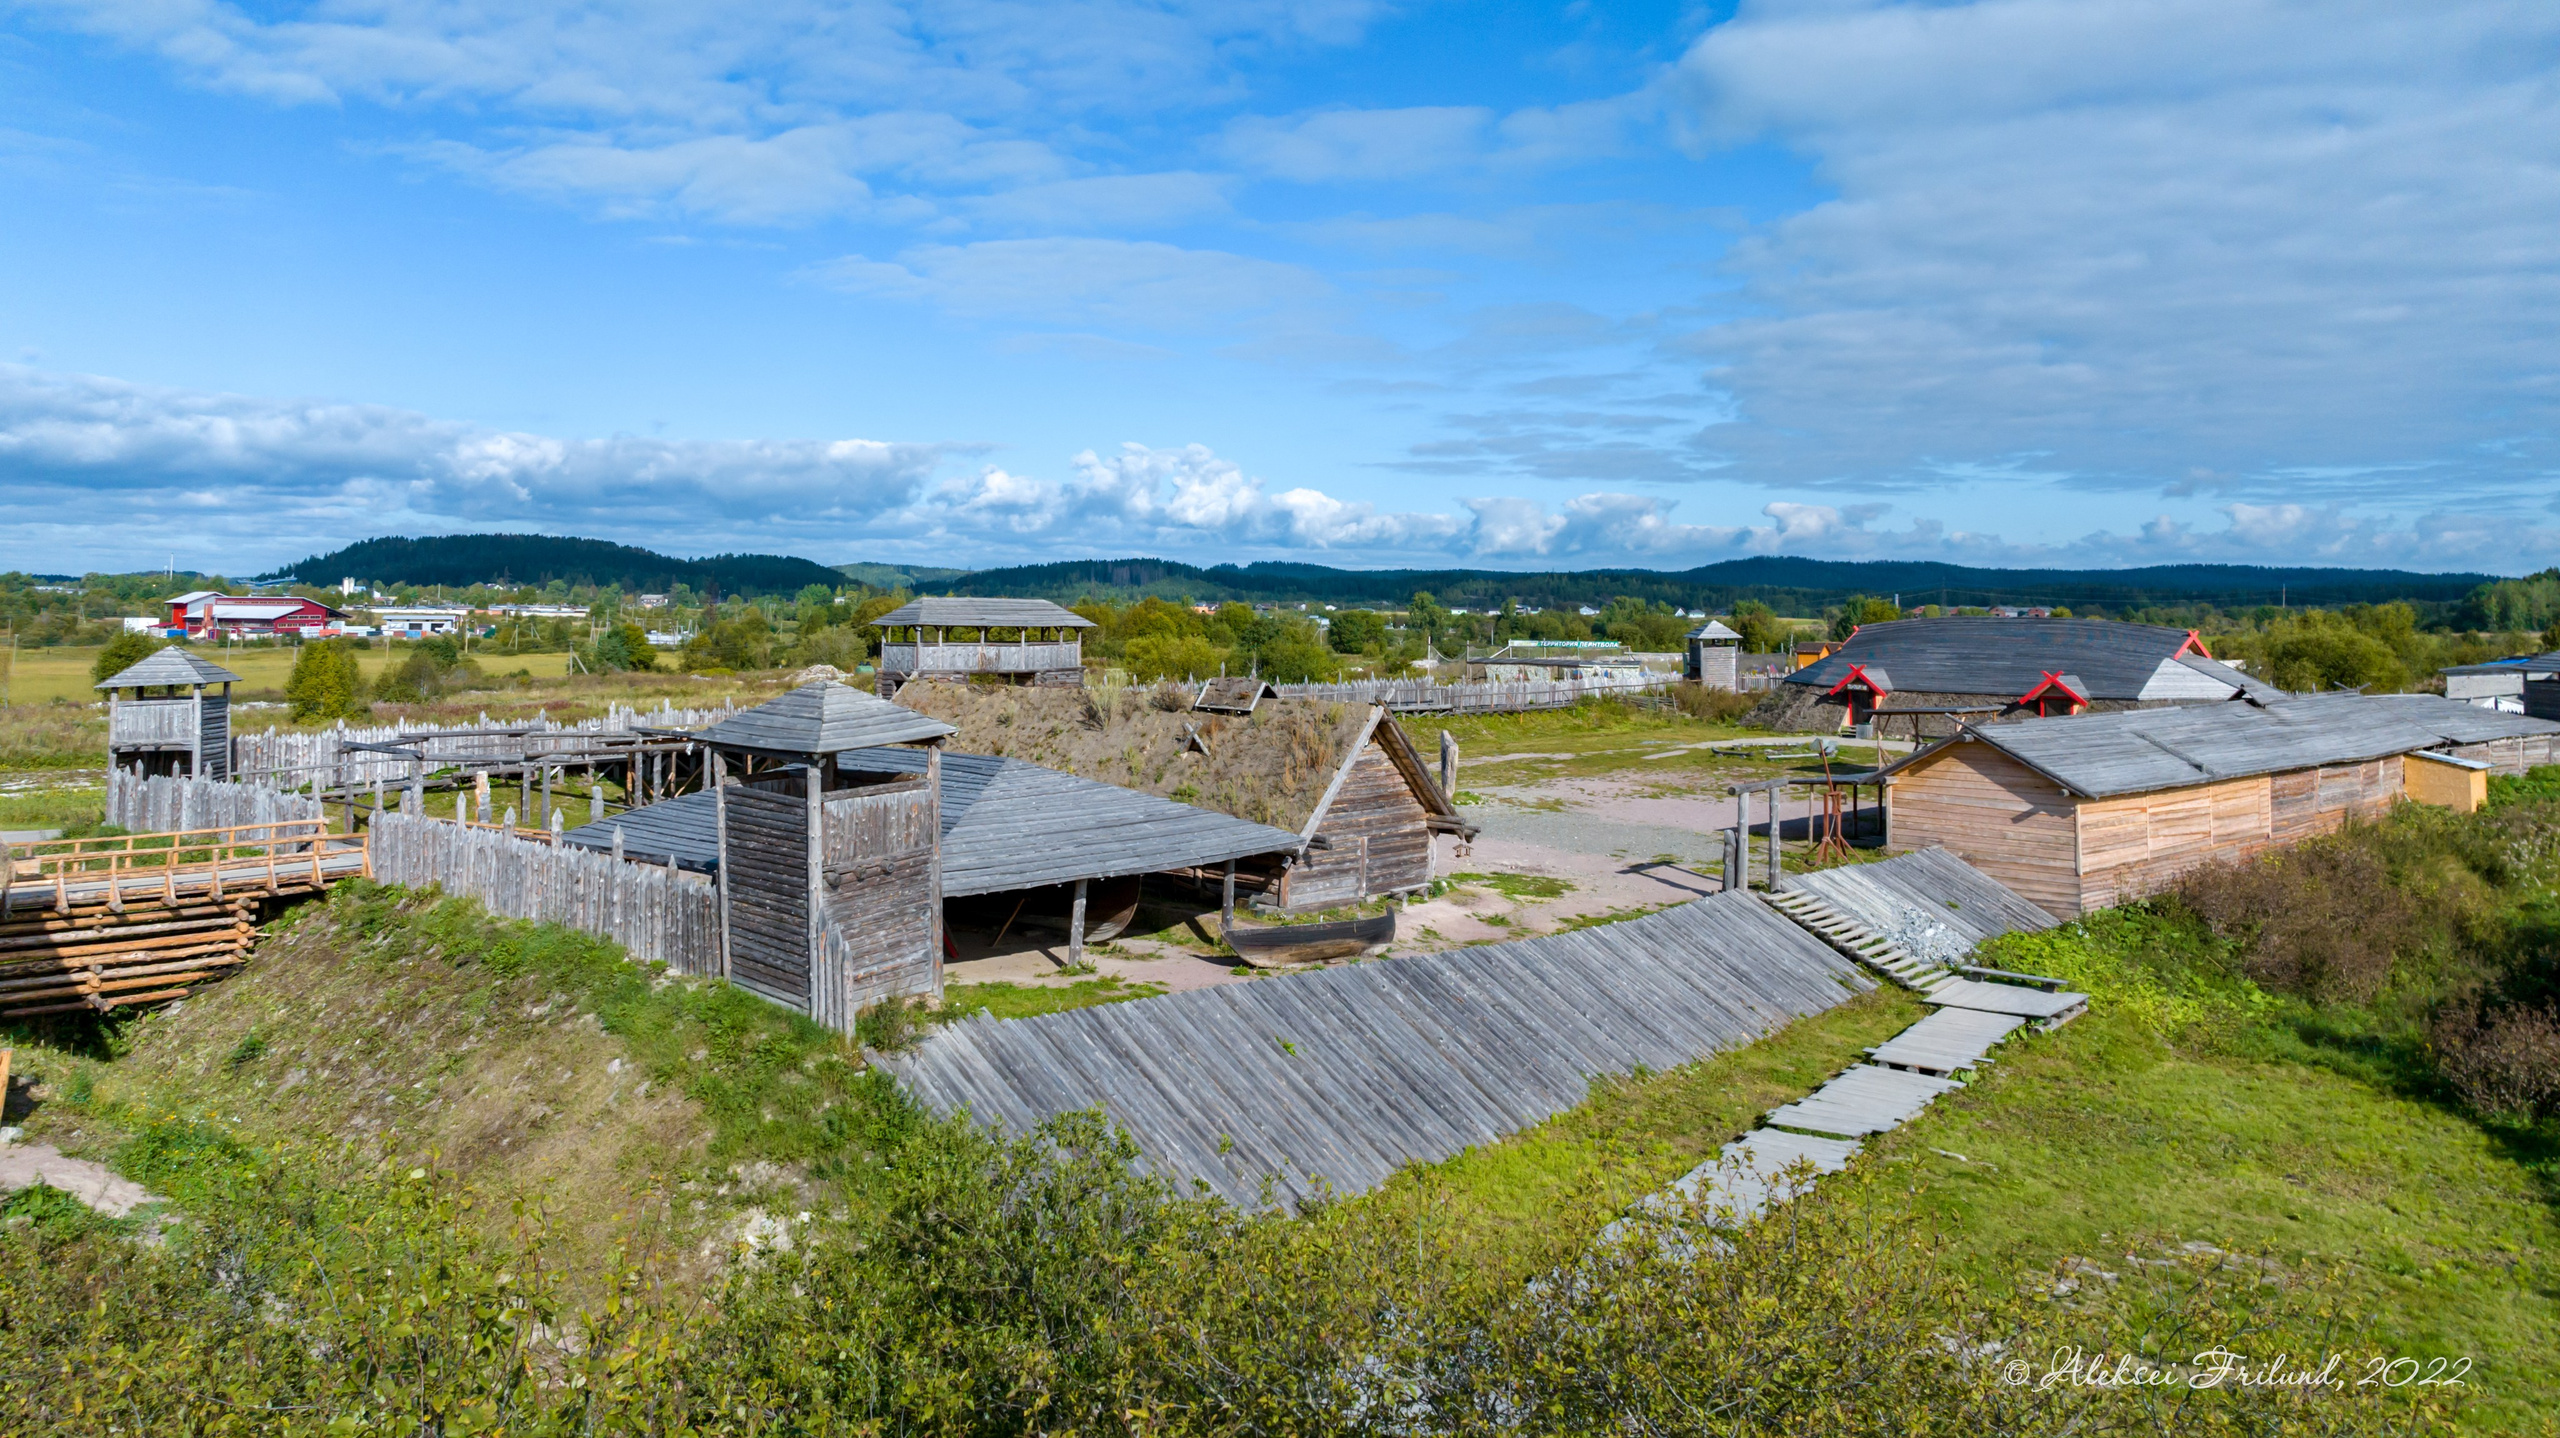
{"x":1281,"y":945}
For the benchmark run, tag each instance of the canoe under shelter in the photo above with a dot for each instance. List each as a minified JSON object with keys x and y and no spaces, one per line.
{"x":837,"y":827}
{"x":2081,"y":813}
{"x":1928,"y":677}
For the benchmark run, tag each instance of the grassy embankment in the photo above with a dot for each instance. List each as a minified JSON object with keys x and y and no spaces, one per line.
{"x":2194,"y":1105}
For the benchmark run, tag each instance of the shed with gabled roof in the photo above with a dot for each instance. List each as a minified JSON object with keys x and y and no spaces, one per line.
{"x":2088,"y":811}
{"x":186,"y":730}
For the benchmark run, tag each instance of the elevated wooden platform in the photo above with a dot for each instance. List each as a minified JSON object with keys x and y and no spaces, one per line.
{"x":102,"y":924}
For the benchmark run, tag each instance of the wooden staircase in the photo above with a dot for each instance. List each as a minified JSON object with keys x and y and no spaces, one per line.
{"x":1858,"y":941}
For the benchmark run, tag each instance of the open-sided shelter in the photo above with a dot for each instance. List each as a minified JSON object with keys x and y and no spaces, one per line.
{"x":2089,"y":811}
{"x":1941,"y":673}
{"x":185,"y":729}
{"x":1345,"y":779}
{"x":1023,"y":641}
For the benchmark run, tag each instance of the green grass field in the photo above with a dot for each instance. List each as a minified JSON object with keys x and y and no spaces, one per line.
{"x":41,"y":676}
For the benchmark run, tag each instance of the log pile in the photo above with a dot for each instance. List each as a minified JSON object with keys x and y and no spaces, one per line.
{"x":100,"y":959}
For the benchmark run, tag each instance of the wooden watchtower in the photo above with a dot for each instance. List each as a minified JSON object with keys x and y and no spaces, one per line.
{"x":185,"y":729}
{"x":830,"y":876}
{"x":1025,"y":641}
{"x":1714,"y":658}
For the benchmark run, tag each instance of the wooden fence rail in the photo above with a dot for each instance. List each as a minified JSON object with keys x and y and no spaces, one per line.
{"x":1421,"y":696}
{"x":659,"y":915}
{"x":175,"y":868}
{"x":288,"y":758}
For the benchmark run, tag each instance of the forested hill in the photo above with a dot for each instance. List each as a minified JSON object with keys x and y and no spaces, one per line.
{"x":1791,"y":585}
{"x":466,"y":559}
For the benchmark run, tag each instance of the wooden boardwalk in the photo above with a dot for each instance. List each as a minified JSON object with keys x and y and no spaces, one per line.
{"x":1281,"y":1089}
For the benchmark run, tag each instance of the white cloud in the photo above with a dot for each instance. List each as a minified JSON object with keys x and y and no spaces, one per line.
{"x":1360,"y":144}
{"x":1140,"y":284}
{"x":2289,"y":244}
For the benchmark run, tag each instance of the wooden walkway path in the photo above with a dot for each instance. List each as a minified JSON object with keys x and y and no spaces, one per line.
{"x":1915,"y":918}
{"x":1278,"y":1090}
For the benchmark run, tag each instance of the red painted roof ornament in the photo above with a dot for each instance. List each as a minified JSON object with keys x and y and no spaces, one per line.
{"x":2056,"y":683}
{"x":1857,"y":675}
{"x":2195,"y":641}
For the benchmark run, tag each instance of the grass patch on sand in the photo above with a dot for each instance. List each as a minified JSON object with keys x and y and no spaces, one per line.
{"x":1021,"y":1001}
{"x":77,"y":810}
{"x":1518,"y":886}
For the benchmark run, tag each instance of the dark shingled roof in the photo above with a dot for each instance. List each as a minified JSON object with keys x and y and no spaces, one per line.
{"x":823,"y":718}
{"x":967,"y":613}
{"x":2137,"y":751}
{"x":1006,"y":825}
{"x":1979,"y":654}
{"x":172,"y":665}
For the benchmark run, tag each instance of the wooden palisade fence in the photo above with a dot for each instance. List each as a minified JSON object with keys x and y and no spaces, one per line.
{"x":658,"y":914}
{"x":1421,"y":696}
{"x":164,"y":804}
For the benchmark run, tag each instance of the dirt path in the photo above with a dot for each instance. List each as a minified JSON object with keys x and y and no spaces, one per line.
{"x":23,"y":1165}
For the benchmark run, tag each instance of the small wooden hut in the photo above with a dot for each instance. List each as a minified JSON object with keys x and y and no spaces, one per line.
{"x":1023,"y":641}
{"x":2085,"y":812}
{"x":185,"y":729}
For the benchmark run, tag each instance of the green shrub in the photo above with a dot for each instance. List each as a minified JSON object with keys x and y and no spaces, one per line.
{"x":122,"y":653}
{"x":325,"y":683}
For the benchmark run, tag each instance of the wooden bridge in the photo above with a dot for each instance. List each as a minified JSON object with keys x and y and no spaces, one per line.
{"x":101,"y":924}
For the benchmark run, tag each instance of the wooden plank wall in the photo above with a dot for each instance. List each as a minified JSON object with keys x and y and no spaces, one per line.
{"x":2516,"y":755}
{"x":881,"y":887}
{"x":159,"y":805}
{"x":213,"y":735}
{"x":1379,"y":836}
{"x":2140,"y":844}
{"x":1996,"y":814}
{"x":658,"y":915}
{"x":765,"y":866}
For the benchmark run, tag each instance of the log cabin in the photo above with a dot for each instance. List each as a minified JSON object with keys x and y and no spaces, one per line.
{"x":1344,"y":778}
{"x":1928,"y":676}
{"x":2081,"y":813}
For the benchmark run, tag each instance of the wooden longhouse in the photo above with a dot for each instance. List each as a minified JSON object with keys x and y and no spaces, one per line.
{"x":1023,"y":641}
{"x":1364,"y":805}
{"x":186,"y":729}
{"x":2081,"y":813}
{"x":1928,"y":676}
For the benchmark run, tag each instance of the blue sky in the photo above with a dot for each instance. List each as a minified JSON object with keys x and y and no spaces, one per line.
{"x":2009,"y":282}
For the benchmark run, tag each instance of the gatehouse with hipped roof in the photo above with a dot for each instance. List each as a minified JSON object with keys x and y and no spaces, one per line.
{"x":836,"y":826}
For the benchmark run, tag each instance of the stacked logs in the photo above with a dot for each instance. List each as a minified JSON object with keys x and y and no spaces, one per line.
{"x":100,"y":959}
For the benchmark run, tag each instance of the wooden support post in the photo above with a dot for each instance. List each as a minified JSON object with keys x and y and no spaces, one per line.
{"x":933,"y":886}
{"x":1773,"y":837}
{"x":549,"y":813}
{"x":716,"y":777}
{"x":1075,"y":928}
{"x":1227,"y":903}
{"x":617,"y":843}
{"x":595,"y":795}
{"x":1448,"y":766}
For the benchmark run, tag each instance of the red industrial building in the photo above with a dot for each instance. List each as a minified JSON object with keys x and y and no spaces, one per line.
{"x":205,"y":614}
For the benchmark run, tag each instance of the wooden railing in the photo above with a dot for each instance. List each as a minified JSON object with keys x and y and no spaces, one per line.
{"x":146,"y":868}
{"x":153,"y":721}
{"x":979,"y":658}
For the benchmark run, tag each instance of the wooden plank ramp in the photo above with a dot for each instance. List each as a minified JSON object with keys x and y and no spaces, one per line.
{"x":1280,"y":1090}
